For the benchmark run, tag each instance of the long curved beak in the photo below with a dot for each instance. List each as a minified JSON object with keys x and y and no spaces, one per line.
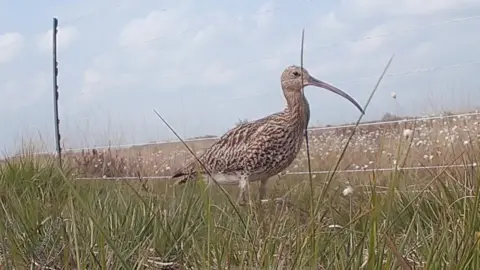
{"x":315,"y":82}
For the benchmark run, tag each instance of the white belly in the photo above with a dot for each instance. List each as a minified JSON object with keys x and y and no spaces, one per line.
{"x":223,"y":179}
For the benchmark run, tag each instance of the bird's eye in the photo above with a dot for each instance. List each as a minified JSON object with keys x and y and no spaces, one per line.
{"x":296,"y":73}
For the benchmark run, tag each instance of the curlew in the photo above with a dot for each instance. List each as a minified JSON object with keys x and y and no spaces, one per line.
{"x":258,"y":150}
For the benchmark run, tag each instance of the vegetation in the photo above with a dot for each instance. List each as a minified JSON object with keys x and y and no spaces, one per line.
{"x":372,"y":219}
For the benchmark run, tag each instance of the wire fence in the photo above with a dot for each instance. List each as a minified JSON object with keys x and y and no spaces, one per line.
{"x":366,"y":170}
{"x":378,"y":123}
{"x":280,"y":54}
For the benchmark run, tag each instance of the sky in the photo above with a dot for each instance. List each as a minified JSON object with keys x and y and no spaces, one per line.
{"x":204,"y":65}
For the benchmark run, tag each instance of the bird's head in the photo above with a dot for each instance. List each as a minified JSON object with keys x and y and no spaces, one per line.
{"x":291,"y":80}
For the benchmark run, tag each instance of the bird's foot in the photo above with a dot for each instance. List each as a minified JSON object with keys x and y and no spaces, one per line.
{"x":242,"y":203}
{"x":245,"y":201}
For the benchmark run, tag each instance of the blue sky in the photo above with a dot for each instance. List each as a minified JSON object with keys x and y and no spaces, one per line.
{"x":204,"y":65}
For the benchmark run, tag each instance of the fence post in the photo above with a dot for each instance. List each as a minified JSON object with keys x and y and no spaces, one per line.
{"x":55,"y":92}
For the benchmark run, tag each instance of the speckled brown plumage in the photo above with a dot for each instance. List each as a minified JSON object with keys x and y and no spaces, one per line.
{"x":260,"y":149}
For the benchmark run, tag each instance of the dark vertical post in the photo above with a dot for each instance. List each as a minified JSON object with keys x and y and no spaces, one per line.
{"x":55,"y":92}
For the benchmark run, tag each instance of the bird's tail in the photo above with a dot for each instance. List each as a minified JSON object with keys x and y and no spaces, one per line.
{"x":188,"y":173}
{"x":183,"y":178}
{"x":185,"y":174}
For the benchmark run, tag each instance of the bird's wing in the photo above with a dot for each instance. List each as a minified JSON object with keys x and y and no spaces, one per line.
{"x":227,"y":153}
{"x":273,"y":144}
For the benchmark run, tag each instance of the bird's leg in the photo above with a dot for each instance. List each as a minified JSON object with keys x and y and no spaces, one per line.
{"x":244,"y":192}
{"x":263,"y":189}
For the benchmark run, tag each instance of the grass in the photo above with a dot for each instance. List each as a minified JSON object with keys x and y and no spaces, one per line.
{"x":50,"y":219}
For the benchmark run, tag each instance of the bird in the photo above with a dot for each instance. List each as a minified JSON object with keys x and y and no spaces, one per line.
{"x":257,"y":150}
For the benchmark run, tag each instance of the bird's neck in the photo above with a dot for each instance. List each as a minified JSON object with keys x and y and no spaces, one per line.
{"x":298,"y":107}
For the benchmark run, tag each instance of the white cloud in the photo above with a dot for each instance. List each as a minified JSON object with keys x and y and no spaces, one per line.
{"x":408,"y":7}
{"x":265,"y":15}
{"x":91,"y":77}
{"x":66,"y":36}
{"x":97,"y":81}
{"x":158,"y":24}
{"x":171,"y":49}
{"x":371,"y":42}
{"x":331,"y":23}
{"x":11,"y":45}
{"x":217,"y":74}
{"x":23,"y":92}
{"x":366,"y":45}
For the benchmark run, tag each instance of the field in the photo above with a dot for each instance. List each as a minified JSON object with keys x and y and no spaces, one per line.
{"x":404,"y":197}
